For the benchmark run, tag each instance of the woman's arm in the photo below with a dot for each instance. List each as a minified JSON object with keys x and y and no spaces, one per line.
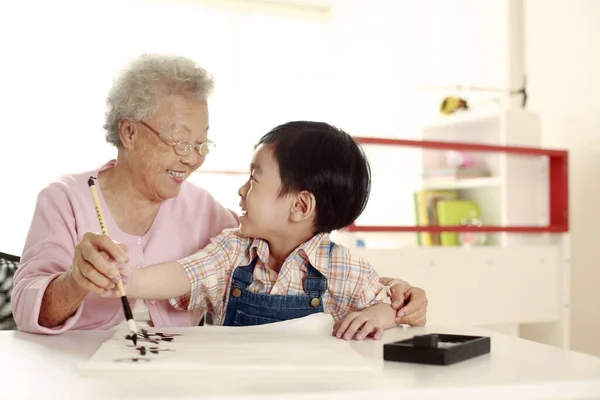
{"x":49,"y":285}
{"x":60,"y":301}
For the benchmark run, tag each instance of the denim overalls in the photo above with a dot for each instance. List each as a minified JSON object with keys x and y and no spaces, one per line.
{"x":247,"y":308}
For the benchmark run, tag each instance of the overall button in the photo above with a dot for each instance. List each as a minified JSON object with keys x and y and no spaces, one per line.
{"x":236,"y":292}
{"x":315,"y":302}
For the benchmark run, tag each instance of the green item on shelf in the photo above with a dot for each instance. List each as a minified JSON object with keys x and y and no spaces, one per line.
{"x":453,"y":213}
{"x":417,"y":219}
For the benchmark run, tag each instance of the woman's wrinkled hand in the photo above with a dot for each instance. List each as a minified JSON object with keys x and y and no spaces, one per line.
{"x":98,"y":263}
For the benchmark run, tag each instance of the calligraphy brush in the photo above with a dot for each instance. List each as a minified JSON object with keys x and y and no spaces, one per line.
{"x":128,"y":314}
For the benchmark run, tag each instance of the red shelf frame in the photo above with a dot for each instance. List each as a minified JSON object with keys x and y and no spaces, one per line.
{"x":558,"y":161}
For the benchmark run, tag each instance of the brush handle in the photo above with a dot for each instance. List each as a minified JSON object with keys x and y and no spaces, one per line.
{"x":127,"y":309}
{"x":92,"y":186}
{"x":121,"y":288}
{"x":124,"y":301}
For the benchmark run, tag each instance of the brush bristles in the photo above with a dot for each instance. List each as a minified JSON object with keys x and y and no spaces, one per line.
{"x":132,"y":331}
{"x":132,"y":337}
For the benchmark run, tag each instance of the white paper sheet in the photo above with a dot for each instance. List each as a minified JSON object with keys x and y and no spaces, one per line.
{"x":302,"y":345}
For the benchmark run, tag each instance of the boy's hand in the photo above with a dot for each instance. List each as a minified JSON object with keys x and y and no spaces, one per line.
{"x":410,"y":301}
{"x":412,"y":310}
{"x":359,"y":325}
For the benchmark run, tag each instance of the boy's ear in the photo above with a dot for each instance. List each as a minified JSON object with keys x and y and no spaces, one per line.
{"x":303,"y":206}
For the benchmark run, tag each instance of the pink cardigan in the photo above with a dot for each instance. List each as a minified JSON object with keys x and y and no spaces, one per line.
{"x":64,"y":212}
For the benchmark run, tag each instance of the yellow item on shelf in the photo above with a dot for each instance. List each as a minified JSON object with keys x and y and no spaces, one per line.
{"x":451,"y":104}
{"x":427,"y":213}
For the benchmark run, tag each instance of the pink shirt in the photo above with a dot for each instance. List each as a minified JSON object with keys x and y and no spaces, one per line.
{"x":65,"y":211}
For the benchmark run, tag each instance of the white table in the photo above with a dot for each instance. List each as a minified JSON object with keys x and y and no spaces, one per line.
{"x":41,"y":367}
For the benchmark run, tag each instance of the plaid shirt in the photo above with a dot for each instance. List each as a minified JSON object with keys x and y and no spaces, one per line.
{"x":352,"y":284}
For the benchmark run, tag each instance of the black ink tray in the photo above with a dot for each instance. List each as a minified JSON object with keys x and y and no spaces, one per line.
{"x":437,"y":349}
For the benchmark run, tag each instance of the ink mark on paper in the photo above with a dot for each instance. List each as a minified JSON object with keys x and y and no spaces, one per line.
{"x":156,"y":337}
{"x":143,"y":350}
{"x":133,"y":360}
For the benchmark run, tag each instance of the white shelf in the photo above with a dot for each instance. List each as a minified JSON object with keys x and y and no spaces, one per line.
{"x":463,"y":183}
{"x":516,"y":192}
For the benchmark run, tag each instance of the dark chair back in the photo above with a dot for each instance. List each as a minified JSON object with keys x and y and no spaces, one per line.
{"x":8,"y":265}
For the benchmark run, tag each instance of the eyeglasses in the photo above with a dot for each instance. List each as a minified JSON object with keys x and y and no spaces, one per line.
{"x":183,"y":148}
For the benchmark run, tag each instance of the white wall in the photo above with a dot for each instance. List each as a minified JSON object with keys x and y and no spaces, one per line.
{"x":358,"y":67}
{"x":377,"y":70}
{"x":385,"y":53}
{"x":562,"y":61}
{"x":59,"y":57}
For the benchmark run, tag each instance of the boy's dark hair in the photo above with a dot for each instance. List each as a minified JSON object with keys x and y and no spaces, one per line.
{"x":327,"y":162}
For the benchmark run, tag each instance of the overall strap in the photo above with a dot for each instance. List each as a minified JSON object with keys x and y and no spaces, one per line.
{"x":316,"y":283}
{"x":243,"y":276}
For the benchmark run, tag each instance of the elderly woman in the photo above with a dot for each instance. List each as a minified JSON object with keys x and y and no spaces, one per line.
{"x":157,"y":118}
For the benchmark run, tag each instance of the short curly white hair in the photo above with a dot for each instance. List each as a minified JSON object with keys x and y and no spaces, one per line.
{"x":137,"y":90}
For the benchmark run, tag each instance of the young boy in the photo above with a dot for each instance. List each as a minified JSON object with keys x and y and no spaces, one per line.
{"x":306,"y":179}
